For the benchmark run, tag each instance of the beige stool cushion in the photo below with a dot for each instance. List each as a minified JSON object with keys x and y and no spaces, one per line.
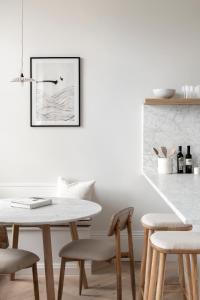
{"x":12,"y":260}
{"x":153,"y":221}
{"x":174,"y":240}
{"x":89,"y":249}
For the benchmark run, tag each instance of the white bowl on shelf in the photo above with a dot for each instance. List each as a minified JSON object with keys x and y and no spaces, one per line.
{"x":164,"y":93}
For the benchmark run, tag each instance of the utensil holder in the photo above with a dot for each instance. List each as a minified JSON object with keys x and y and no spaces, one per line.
{"x":164,"y":165}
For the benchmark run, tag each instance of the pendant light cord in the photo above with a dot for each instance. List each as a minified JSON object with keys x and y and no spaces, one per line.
{"x":22,"y":36}
{"x":21,"y":77}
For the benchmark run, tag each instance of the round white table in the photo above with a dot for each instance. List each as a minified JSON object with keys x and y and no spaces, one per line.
{"x":63,"y":211}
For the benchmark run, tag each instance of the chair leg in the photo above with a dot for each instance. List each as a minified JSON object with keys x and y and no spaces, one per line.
{"x":118,"y":263}
{"x":154,"y":274}
{"x":131,"y":259}
{"x":81,"y":276}
{"x":35,"y":282}
{"x":161,"y":277}
{"x":75,"y":236}
{"x":181,"y":275}
{"x":148,"y":267}
{"x":61,"y":279}
{"x":195,"y":277}
{"x":143,"y":264}
{"x":119,"y":279}
{"x":189,"y":276}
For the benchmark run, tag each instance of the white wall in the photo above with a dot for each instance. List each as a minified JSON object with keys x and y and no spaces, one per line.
{"x":127,"y":48}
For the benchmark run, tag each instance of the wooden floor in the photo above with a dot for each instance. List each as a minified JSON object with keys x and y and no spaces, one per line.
{"x":102,"y":286}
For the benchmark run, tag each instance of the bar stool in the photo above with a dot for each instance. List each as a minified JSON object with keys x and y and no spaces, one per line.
{"x":155,"y":222}
{"x":186,"y":244}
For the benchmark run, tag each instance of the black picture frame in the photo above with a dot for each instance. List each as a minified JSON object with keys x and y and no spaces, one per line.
{"x":78,"y":118}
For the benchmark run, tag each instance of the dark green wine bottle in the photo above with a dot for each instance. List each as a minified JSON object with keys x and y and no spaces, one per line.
{"x":188,"y":161}
{"x":180,"y":160}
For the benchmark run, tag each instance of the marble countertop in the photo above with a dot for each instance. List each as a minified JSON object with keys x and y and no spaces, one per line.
{"x":181,"y":192}
{"x":63,"y":210}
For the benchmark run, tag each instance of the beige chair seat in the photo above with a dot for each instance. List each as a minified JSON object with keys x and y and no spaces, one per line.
{"x":12,"y":260}
{"x":176,"y":240}
{"x":156,"y":220}
{"x":89,"y":249}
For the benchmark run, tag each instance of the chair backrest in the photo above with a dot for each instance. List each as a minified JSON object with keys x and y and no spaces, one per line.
{"x":120,"y":219}
{"x":3,"y":237}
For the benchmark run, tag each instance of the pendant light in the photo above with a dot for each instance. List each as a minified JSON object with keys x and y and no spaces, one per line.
{"x":21,"y":78}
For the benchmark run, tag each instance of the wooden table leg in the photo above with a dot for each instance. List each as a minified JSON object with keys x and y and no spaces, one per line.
{"x":48,"y":262}
{"x":74,"y":235}
{"x":15,"y":239}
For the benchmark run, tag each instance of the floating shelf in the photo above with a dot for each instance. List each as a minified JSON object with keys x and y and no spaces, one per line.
{"x":172,"y":101}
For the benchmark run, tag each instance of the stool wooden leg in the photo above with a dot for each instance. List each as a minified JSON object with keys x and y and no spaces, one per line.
{"x":195,"y":288}
{"x":148,"y":267}
{"x":189,"y":276}
{"x":143,"y":264}
{"x":153,"y":280}
{"x":161,"y":276}
{"x":181,"y":275}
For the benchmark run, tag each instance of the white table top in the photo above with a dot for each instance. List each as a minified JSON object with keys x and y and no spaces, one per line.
{"x":181,"y":192}
{"x":62,"y":211}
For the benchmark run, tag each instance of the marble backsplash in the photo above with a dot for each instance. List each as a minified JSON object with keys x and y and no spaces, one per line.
{"x":170,"y":126}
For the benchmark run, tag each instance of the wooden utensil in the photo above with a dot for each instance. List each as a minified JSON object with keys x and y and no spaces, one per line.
{"x":156,"y":151}
{"x":171,"y":152}
{"x":164,"y":150}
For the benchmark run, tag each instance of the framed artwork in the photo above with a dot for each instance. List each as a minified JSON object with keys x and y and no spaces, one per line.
{"x":55,"y":91}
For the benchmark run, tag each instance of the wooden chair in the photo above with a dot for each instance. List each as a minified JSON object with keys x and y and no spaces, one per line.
{"x":155,"y":222}
{"x":185,"y":245}
{"x":102,"y":250}
{"x":74,"y":235}
{"x":13,"y":260}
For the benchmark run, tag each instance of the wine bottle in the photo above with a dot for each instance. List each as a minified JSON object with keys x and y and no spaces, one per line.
{"x":188,"y":161}
{"x":180,"y":160}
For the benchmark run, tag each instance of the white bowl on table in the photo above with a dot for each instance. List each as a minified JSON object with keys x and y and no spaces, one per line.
{"x":164,"y":93}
